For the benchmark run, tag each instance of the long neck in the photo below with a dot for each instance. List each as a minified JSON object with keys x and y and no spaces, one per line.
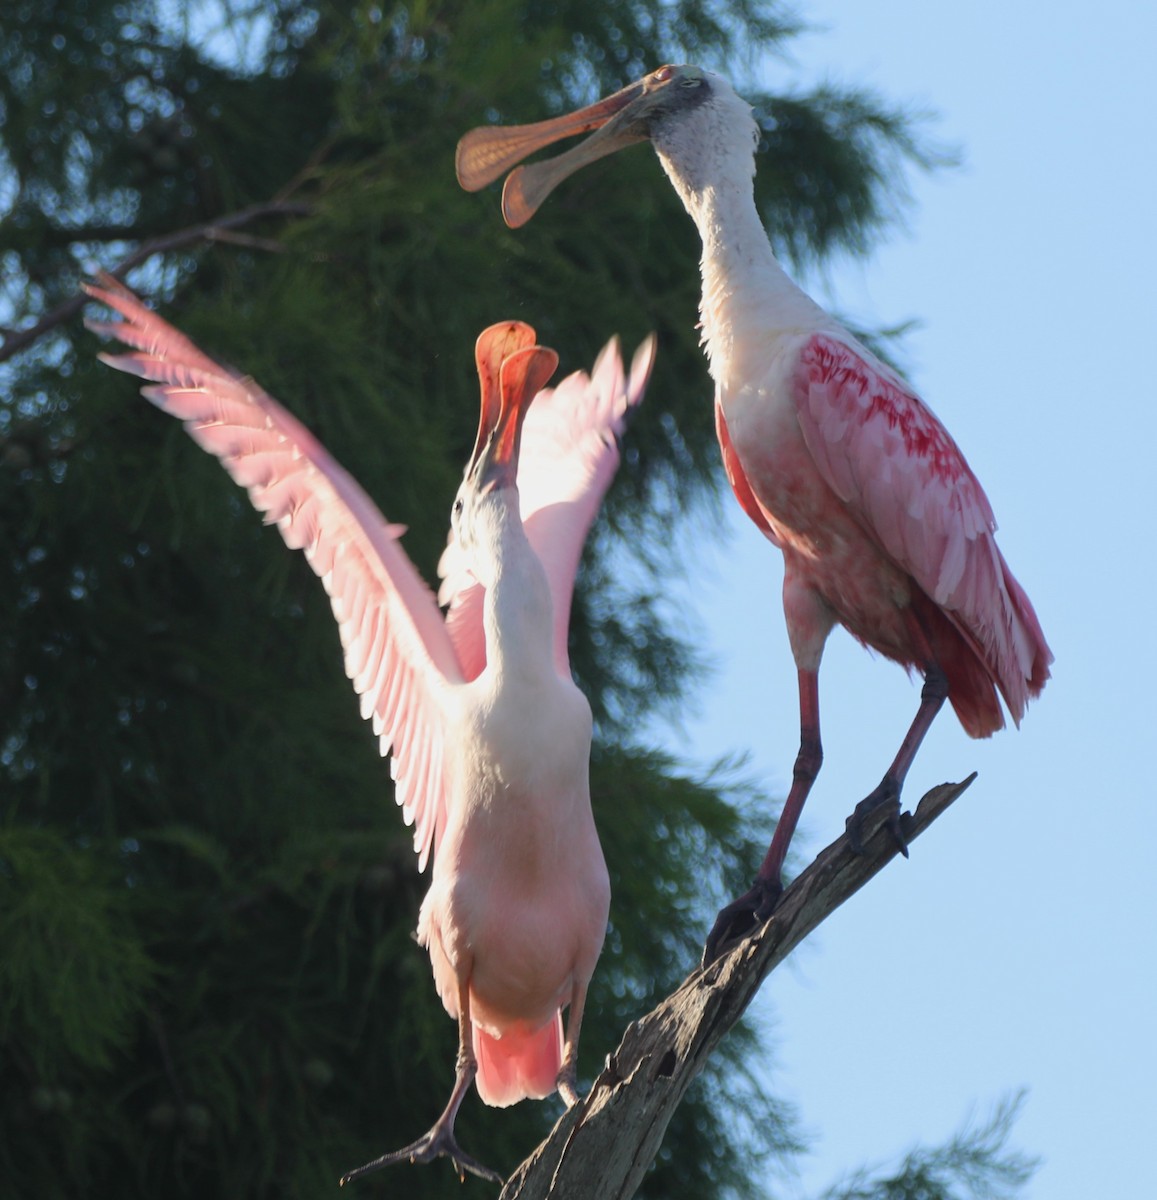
{"x":748,"y":299}
{"x":518,"y":616}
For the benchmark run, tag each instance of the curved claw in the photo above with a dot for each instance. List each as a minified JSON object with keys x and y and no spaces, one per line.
{"x":742,"y":916}
{"x":437,"y":1142}
{"x":878,"y":799}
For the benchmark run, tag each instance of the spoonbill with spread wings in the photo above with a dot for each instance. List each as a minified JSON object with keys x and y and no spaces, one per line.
{"x":489,"y":736}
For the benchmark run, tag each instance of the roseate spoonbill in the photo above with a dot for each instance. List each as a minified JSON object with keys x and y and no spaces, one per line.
{"x":883,"y":527}
{"x":490,"y":738}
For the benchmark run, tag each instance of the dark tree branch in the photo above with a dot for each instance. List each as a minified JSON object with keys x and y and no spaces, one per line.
{"x":603,"y":1146}
{"x":219,"y":229}
{"x":69,"y":235}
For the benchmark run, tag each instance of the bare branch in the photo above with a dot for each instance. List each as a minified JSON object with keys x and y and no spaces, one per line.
{"x":249,"y":240}
{"x":604,"y":1145}
{"x":218,"y":229}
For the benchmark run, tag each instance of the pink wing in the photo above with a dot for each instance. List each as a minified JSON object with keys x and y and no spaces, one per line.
{"x":397,"y":651}
{"x":568,"y":457}
{"x":890,"y":460}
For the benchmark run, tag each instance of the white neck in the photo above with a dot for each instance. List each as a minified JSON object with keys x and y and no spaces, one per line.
{"x":748,"y":299}
{"x":518,"y":615}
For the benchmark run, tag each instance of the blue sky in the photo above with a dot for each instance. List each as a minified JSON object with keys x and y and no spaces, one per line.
{"x":1018,"y":947}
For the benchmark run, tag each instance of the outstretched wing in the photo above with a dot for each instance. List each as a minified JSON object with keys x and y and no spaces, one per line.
{"x":570,"y":452}
{"x":890,"y":460}
{"x":397,"y":652}
{"x":568,"y":457}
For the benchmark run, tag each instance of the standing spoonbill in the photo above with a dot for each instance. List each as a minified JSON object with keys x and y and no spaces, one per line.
{"x":489,"y":735}
{"x":884,"y":528}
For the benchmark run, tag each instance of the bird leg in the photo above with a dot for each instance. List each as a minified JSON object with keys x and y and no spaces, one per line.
{"x":440,"y":1140}
{"x":567,"y":1081}
{"x":751,"y":909}
{"x":932,"y":697}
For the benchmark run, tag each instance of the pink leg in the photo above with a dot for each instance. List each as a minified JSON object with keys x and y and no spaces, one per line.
{"x":932,"y":697}
{"x":568,"y":1071}
{"x":807,"y":766}
{"x":754,"y":907}
{"x":440,"y":1140}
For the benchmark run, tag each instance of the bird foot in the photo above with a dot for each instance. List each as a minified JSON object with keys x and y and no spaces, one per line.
{"x":438,"y":1142}
{"x":742,"y":916}
{"x":882,"y":796}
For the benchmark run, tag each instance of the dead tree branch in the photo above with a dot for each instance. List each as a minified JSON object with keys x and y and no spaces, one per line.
{"x":219,"y":229}
{"x":603,"y":1146}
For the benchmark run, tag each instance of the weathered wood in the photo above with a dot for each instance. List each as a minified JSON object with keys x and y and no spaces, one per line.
{"x":603,"y":1146}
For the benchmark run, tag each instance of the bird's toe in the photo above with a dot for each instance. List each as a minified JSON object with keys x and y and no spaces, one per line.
{"x":741,"y":917}
{"x":439,"y":1142}
{"x":881,"y":797}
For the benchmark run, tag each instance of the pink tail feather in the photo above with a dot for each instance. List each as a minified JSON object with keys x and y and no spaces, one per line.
{"x":522,"y":1064}
{"x":1016,"y":663}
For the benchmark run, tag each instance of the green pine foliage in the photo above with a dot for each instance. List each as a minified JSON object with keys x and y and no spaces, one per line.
{"x":975,"y":1163}
{"x":208,"y":984}
{"x":74,"y":975}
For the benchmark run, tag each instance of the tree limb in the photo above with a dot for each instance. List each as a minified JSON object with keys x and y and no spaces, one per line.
{"x":219,"y":229}
{"x":603,"y":1145}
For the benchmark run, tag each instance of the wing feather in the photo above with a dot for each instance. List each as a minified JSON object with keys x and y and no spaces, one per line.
{"x":569,"y":455}
{"x":884,"y":453}
{"x":570,"y":448}
{"x":397,"y":651}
